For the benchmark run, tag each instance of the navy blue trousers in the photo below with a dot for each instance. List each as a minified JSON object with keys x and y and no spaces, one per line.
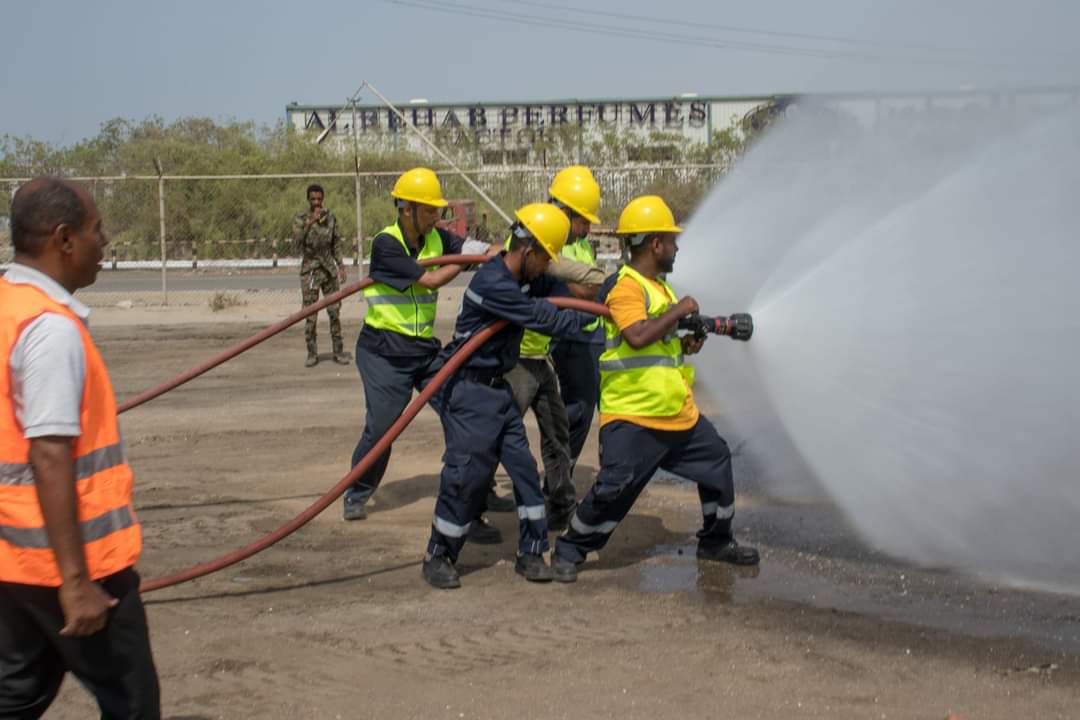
{"x":578,"y":367}
{"x":482,"y":426}
{"x":629,"y":456}
{"x":388,"y":387}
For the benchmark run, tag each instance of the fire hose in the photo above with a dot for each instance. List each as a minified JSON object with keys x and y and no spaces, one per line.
{"x":276,"y":328}
{"x":449,"y":368}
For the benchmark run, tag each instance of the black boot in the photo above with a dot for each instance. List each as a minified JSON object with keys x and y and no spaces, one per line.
{"x":532,"y":568}
{"x":559,"y":517}
{"x":565,"y":571}
{"x":729,"y":552}
{"x":441,"y":573}
{"x":354,"y":509}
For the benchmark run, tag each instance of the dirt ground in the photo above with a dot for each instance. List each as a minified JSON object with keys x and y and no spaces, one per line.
{"x":336,"y":622}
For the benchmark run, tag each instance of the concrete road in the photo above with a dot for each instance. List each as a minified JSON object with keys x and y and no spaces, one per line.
{"x":287,"y":279}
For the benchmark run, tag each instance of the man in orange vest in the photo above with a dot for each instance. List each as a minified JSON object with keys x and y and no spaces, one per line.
{"x":69,"y":595}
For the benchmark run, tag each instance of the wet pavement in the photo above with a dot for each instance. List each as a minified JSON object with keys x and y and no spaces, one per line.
{"x":811,"y":556}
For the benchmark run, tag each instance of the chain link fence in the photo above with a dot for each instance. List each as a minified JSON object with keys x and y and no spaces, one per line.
{"x":196,"y":239}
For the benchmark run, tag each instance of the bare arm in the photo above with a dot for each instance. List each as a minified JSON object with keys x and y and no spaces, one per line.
{"x":646,"y":332}
{"x":84,"y":603}
{"x":437,"y":278}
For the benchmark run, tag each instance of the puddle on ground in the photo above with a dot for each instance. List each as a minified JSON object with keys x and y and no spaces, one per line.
{"x":1043,"y":619}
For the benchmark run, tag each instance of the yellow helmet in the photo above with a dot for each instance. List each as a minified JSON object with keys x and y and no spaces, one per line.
{"x":547,"y":223}
{"x":419,"y":185}
{"x":576,"y":188}
{"x":647,"y":214}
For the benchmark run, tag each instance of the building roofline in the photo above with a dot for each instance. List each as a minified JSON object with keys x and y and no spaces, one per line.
{"x":877,"y":95}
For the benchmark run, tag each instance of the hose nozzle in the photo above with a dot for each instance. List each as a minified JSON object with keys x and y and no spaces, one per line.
{"x":739,"y":326}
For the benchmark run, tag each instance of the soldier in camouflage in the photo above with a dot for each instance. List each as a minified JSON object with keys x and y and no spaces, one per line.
{"x":315,"y":234}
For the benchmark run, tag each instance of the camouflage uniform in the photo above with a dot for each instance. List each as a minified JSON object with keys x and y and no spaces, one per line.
{"x":320,"y":250}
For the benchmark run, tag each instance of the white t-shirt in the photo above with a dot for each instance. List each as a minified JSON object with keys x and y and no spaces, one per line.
{"x":48,"y":365}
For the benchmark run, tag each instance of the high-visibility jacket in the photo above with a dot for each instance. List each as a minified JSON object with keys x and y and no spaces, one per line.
{"x":112,"y":539}
{"x":651,"y":381}
{"x":411,"y":312}
{"x":581,"y":251}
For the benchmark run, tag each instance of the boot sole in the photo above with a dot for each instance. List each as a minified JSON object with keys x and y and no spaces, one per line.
{"x":442,"y":585}
{"x":534,"y":578}
{"x":745,"y":562}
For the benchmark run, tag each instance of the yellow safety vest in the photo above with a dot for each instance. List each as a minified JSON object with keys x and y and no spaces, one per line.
{"x":652,"y":381}
{"x":412,"y":312}
{"x":581,"y":251}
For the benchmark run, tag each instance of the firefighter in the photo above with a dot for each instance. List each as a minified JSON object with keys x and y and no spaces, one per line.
{"x":533,"y":379}
{"x":69,"y":539}
{"x":576,"y":191}
{"x":481,"y":422}
{"x":397,"y":345}
{"x":648,"y":418}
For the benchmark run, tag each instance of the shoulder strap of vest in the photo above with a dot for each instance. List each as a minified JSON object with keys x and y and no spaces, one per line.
{"x":649,"y":287}
{"x":394,"y":231}
{"x":47,"y":302}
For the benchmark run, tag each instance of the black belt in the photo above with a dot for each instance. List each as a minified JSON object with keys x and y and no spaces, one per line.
{"x":491,"y":378}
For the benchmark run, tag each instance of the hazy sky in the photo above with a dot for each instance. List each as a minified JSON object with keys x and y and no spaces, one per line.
{"x":69,"y":66}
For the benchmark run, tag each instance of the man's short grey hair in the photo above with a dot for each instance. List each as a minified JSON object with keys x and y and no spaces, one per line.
{"x":38,"y":207}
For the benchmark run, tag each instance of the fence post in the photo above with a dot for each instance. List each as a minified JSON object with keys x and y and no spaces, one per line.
{"x":359,"y":221}
{"x":161,"y":218}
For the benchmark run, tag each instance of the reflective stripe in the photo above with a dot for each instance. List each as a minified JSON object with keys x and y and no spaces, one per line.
{"x":95,"y":461}
{"x":721,"y":513}
{"x":448,"y":528}
{"x":402,"y":299}
{"x":90,"y":530}
{"x":610,"y":343}
{"x":640,"y":361}
{"x":16,"y":474}
{"x":603,"y":528}
{"x":532,"y":512}
{"x":416,"y":327}
{"x":89,"y":464}
{"x":472,"y":295}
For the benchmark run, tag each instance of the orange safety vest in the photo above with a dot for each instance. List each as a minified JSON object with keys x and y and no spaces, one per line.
{"x":110,"y":532}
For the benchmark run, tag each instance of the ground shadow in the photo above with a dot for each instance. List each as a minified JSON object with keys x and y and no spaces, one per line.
{"x":282,"y":588}
{"x":228,"y":501}
{"x":635,"y":540}
{"x":399,"y":493}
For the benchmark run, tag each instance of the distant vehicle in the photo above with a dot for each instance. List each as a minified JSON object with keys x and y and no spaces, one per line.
{"x":459,"y":217}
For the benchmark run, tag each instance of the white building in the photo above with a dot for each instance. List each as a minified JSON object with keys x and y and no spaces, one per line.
{"x":518,"y":133}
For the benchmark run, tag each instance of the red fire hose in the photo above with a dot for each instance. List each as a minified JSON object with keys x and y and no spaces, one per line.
{"x":451,"y":366}
{"x":278,"y":327}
